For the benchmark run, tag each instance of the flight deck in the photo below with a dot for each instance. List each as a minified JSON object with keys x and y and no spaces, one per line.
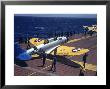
{"x":69,"y":62}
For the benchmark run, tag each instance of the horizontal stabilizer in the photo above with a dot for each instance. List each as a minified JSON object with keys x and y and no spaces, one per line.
{"x":24,"y":56}
{"x":17,"y":50}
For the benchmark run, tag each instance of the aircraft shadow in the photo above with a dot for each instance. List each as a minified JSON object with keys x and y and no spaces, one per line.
{"x":68,"y":62}
{"x":62,"y":59}
{"x":20,"y":63}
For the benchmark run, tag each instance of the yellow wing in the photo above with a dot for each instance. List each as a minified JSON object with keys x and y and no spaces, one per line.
{"x":69,"y":51}
{"x":36,"y":41}
{"x":61,"y":50}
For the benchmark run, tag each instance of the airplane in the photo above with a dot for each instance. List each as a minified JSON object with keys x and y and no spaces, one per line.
{"x":91,"y":28}
{"x":47,"y":46}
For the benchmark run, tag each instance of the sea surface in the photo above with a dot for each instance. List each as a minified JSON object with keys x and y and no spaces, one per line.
{"x":47,"y":27}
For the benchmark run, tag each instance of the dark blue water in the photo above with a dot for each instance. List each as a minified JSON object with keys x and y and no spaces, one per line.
{"x":46,"y":27}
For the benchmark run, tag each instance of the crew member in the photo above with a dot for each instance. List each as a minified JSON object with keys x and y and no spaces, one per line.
{"x":43,"y":58}
{"x":84,"y":59}
{"x":81,"y":73}
{"x":54,"y":64}
{"x":28,"y":43}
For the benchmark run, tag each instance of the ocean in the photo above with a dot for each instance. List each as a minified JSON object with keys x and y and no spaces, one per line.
{"x":47,"y":27}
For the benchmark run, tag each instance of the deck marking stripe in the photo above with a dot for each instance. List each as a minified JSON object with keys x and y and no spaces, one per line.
{"x":87,"y":65}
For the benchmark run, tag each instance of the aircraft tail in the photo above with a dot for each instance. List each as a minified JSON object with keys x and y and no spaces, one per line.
{"x":24,"y":56}
{"x":20,"y":54}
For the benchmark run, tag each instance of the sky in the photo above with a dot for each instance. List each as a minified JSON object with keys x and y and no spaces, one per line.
{"x":60,"y":15}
